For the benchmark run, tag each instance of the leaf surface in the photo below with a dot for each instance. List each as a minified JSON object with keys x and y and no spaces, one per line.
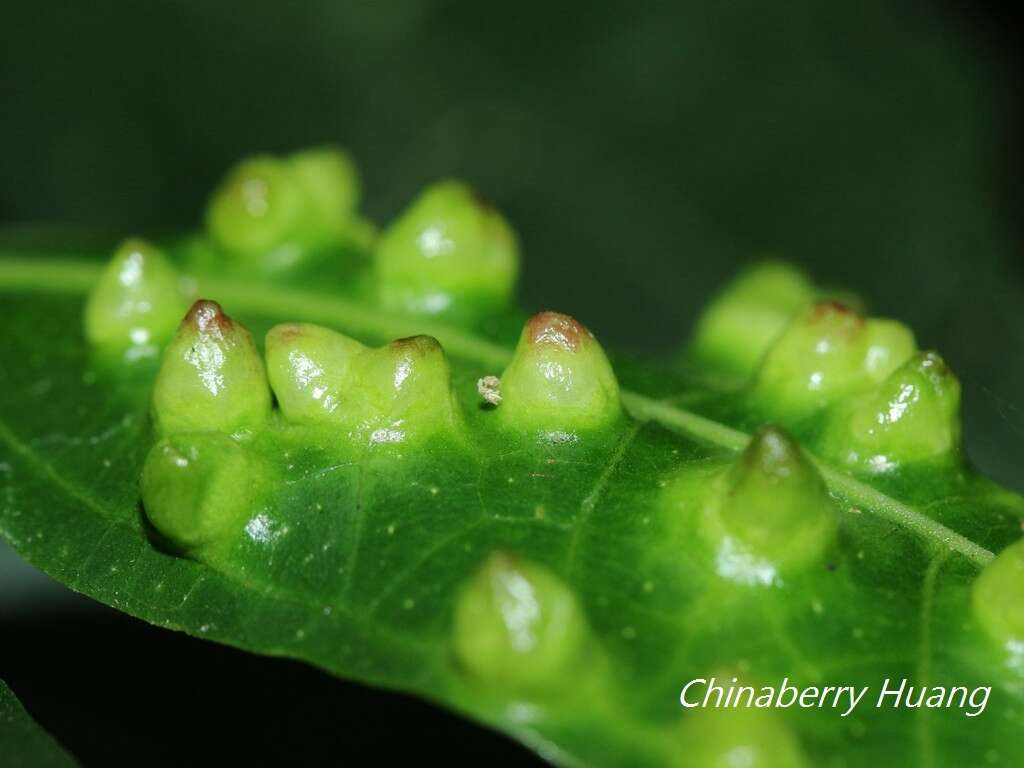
{"x":355,"y":560}
{"x":22,"y":741}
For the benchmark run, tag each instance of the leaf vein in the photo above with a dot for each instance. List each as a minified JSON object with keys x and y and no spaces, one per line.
{"x":591,"y":499}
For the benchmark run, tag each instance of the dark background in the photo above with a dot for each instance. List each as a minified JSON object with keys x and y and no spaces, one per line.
{"x":643,"y":150}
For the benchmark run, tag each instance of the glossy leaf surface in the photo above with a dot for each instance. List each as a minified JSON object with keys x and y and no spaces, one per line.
{"x":642,"y":534}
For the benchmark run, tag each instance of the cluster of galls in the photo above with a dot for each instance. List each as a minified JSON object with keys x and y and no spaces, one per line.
{"x":856,"y":390}
{"x":860,"y":394}
{"x":214,"y":393}
{"x":449,"y":252}
{"x":517,"y":625}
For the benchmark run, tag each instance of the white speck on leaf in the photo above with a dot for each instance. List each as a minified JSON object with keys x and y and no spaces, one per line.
{"x":489,"y":388}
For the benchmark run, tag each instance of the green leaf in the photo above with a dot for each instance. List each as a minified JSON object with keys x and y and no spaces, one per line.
{"x":554,"y":565}
{"x":24,"y":743}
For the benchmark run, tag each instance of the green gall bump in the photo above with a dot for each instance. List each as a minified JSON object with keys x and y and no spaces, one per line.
{"x":272,"y":213}
{"x":257,"y":210}
{"x":773,"y":512}
{"x":559,"y":379}
{"x":826,"y":353}
{"x":388,"y":395}
{"x":999,"y":600}
{"x":914,"y":415}
{"x":330,"y":182}
{"x":197,"y":489}
{"x":212,"y":377}
{"x":518,"y":626}
{"x":740,"y":324}
{"x":137,"y":303}
{"x":448,"y":249}
{"x":308,"y":367}
{"x":737,"y":736}
{"x":405,"y":391}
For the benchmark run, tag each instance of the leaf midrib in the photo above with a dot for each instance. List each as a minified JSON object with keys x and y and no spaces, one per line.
{"x":77,"y":276}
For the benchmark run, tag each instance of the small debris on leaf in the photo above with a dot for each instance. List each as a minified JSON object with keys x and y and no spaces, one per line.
{"x":489,"y":388}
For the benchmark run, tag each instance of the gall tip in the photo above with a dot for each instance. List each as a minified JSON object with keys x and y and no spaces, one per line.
{"x":417,"y":345}
{"x":837,"y":314}
{"x":555,"y":328}
{"x":207,"y":316}
{"x":772,"y":452}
